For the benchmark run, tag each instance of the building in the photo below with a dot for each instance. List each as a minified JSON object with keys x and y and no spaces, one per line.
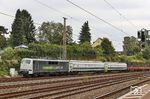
{"x":97,"y":42}
{"x":21,"y":47}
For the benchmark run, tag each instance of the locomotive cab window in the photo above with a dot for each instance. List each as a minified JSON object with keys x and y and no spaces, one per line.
{"x":26,"y":61}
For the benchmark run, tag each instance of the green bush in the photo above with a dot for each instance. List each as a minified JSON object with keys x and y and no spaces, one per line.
{"x":45,"y":50}
{"x":146,"y":53}
{"x":4,"y":70}
{"x":8,"y":54}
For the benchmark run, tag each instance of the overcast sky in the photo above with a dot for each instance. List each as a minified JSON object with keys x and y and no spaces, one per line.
{"x":137,"y":11}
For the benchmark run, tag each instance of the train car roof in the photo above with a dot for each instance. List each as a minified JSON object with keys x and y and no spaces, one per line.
{"x":42,"y":59}
{"x":73,"y":61}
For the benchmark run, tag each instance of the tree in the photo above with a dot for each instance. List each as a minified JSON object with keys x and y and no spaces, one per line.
{"x":2,"y":42}
{"x":107,"y":47}
{"x":146,"y":52}
{"x":131,"y":45}
{"x":85,"y":35}
{"x":28,"y":26}
{"x":23,"y":29}
{"x":17,"y":30}
{"x":3,"y":31}
{"x":53,"y":33}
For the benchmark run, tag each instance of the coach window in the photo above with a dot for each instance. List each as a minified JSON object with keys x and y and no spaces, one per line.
{"x":55,"y":63}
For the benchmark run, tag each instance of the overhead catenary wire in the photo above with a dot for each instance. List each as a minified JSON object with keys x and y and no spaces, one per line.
{"x":120,"y":14}
{"x":5,"y":14}
{"x":51,"y":8}
{"x":11,"y":16}
{"x":56,"y":10}
{"x":100,"y":19}
{"x":34,"y":22}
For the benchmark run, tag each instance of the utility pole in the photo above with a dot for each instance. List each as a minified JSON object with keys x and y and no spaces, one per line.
{"x":64,"y":40}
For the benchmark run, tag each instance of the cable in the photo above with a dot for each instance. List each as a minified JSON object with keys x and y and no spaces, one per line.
{"x":121,"y":14}
{"x":35,"y":23}
{"x":62,"y":13}
{"x":6,"y":14}
{"x":51,"y":8}
{"x":58,"y":11}
{"x":97,"y":17}
{"x":14,"y":17}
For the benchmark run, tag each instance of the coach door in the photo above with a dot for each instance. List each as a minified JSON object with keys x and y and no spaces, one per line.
{"x":106,"y":67}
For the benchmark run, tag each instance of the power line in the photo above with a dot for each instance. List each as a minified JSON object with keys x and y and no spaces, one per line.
{"x":51,"y":8}
{"x":7,"y":14}
{"x":97,"y":17}
{"x":121,"y":14}
{"x":58,"y":11}
{"x":14,"y":16}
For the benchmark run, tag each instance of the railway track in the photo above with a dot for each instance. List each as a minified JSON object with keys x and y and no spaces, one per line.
{"x":50,"y":89}
{"x":102,"y":77}
{"x":72,"y":88}
{"x":17,"y":79}
{"x":82,"y":89}
{"x":108,"y":95}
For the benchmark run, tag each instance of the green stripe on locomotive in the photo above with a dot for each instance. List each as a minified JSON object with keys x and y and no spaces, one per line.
{"x":48,"y":68}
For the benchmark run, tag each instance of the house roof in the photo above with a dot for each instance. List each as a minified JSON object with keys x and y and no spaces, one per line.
{"x":21,"y":46}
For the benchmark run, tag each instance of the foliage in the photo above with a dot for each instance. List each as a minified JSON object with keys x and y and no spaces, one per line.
{"x":107,"y":47}
{"x":85,"y":35}
{"x":146,"y":53}
{"x":81,"y":52}
{"x":2,"y":42}
{"x":22,"y":53}
{"x":23,"y":30}
{"x":3,"y":31}
{"x":45,"y":50}
{"x":28,"y":27}
{"x":53,"y":33}
{"x":12,"y":57}
{"x":3,"y":69}
{"x":8,"y":54}
{"x":131,"y":46}
{"x":17,"y":30}
{"x":122,"y":58}
{"x":8,"y":61}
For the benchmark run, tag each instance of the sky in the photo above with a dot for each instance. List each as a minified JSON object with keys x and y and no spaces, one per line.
{"x":137,"y":12}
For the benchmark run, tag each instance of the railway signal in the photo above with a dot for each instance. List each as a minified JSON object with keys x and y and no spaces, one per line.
{"x":143,"y":37}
